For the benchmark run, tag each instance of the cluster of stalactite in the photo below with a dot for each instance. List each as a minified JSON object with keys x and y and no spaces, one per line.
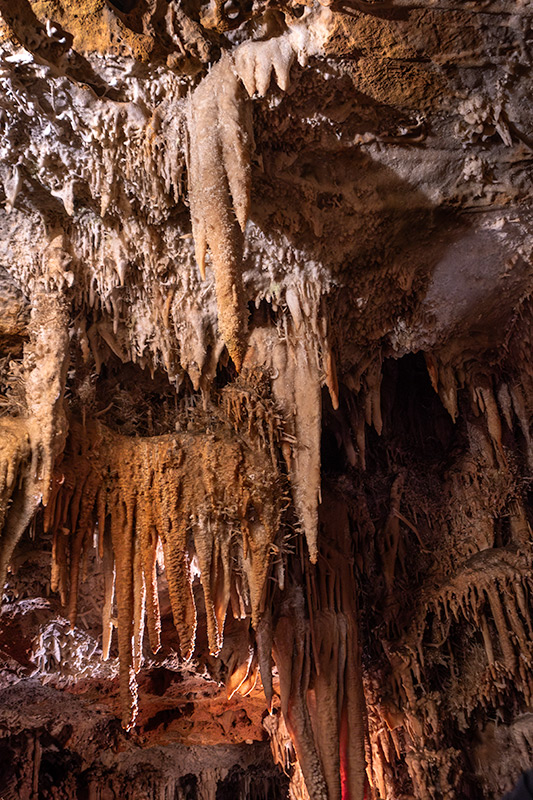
{"x":451,"y":565}
{"x":205,"y":500}
{"x":219,"y":163}
{"x":209,"y":498}
{"x":473,"y":637}
{"x":138,"y":167}
{"x":318,"y":660}
{"x":115,"y":282}
{"x":213,"y":504}
{"x":33,"y":438}
{"x":118,"y":268}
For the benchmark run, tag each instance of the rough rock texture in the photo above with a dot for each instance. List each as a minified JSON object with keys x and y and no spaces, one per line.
{"x":266,"y":391}
{"x":82,"y":752}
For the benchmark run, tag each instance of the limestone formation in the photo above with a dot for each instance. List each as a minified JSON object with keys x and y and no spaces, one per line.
{"x":266,"y":398}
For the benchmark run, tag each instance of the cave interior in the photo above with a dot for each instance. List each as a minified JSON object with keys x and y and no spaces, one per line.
{"x":266,"y":399}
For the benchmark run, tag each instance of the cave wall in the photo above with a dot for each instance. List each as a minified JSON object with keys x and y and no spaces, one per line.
{"x":266,"y":397}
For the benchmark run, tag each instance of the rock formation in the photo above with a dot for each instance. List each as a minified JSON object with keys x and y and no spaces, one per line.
{"x":266,"y":393}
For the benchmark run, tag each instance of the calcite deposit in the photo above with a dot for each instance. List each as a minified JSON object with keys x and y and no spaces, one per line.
{"x":266,"y":397}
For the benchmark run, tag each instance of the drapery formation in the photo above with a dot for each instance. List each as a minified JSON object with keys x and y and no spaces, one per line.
{"x":203,"y":497}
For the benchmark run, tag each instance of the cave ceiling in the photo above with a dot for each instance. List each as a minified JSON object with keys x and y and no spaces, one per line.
{"x":265,"y":398}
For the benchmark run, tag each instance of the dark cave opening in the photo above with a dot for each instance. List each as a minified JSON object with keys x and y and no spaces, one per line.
{"x":416,"y":426}
{"x":414,"y":420}
{"x":126,"y":6}
{"x":253,"y":784}
{"x":189,"y":786}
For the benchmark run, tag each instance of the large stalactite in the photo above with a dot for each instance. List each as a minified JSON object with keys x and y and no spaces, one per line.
{"x":266,"y":394}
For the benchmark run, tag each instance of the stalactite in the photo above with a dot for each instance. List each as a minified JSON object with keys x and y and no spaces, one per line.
{"x":291,"y":653}
{"x":283,"y":753}
{"x":264,"y":650}
{"x":391,"y":533}
{"x":148,"y":540}
{"x":108,"y":565}
{"x":490,"y":409}
{"x":353,"y":718}
{"x":219,"y":191}
{"x":373,"y":377}
{"x":139,"y":600}
{"x":123,"y":544}
{"x":486,"y":594}
{"x":219,"y":169}
{"x":14,"y":451}
{"x":107,"y":480}
{"x":328,"y":698}
{"x":44,"y":430}
{"x":317,"y":653}
{"x":46,"y":366}
{"x":444,"y":382}
{"x":178,"y":569}
{"x":337,"y":680}
{"x":294,"y":362}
